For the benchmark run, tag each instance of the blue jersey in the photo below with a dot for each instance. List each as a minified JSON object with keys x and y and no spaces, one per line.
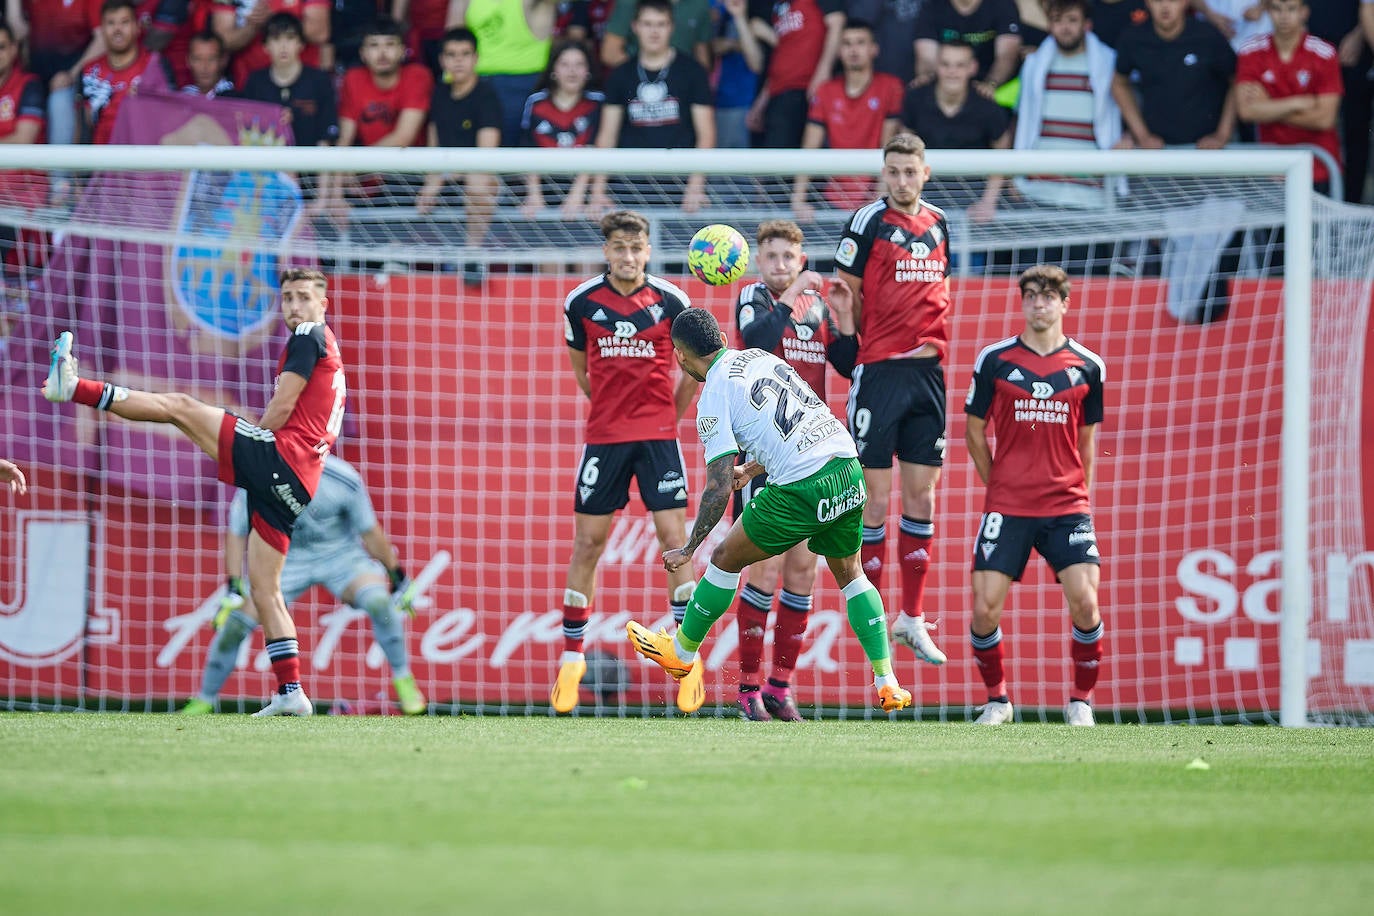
{"x":339,"y":514}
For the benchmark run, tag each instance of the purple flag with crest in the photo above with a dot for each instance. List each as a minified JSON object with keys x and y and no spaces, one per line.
{"x":168,"y":280}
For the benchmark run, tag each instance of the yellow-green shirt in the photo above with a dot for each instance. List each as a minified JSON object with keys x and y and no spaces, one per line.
{"x":505,"y":43}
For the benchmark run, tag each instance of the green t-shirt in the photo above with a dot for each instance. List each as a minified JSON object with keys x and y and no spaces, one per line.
{"x":691,"y":24}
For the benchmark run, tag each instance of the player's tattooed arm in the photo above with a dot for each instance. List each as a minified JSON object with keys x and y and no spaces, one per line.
{"x":720,"y":484}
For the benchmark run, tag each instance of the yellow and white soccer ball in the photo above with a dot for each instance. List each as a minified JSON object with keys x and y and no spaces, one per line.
{"x":718,"y":254}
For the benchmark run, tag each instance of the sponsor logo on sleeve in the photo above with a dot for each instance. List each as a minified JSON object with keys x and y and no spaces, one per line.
{"x":847,"y":252}
{"x":706,"y":426}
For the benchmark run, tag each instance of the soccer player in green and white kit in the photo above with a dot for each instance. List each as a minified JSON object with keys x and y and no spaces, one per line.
{"x":754,"y":402}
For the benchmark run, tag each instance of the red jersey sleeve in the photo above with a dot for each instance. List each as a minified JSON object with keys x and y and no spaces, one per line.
{"x":893,"y":95}
{"x":351,"y":93}
{"x":815,"y":111}
{"x":1249,"y":66}
{"x":1326,"y":76}
{"x":417,"y":87}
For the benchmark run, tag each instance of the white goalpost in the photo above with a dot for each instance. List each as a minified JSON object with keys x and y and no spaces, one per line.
{"x":1229,"y":302}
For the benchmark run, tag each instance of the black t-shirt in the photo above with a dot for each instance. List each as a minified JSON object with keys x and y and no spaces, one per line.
{"x":1111,"y":17}
{"x":1183,"y":83}
{"x":658,"y":103}
{"x":457,"y":121}
{"x":1332,"y":20}
{"x":940,"y":21}
{"x":895,"y":23}
{"x":976,"y":126}
{"x":314,"y":115}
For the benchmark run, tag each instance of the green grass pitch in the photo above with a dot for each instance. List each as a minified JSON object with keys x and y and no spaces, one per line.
{"x":158,"y":814}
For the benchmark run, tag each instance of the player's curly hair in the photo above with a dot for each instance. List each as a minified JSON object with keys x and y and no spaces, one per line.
{"x":627,"y":221}
{"x":784,"y":229}
{"x":1043,"y":277}
{"x":310,"y":274}
{"x":696,"y":331}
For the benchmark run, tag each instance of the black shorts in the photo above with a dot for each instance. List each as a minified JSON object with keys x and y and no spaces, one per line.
{"x":1004,"y":542}
{"x":603,"y":476}
{"x":249,"y":460}
{"x":898,"y":407}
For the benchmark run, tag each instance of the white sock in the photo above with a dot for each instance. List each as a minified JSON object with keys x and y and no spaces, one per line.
{"x":687,"y":655}
{"x":571,"y":657}
{"x":905,"y":619}
{"x":885,"y":680}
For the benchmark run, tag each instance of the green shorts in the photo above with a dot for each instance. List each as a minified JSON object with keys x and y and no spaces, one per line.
{"x":825,"y":509}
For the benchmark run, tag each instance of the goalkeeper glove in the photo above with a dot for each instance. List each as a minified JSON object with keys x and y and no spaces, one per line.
{"x":402,"y":591}
{"x":230,"y":601}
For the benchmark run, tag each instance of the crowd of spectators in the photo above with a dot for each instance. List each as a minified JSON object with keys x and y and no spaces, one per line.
{"x":1022,"y":74}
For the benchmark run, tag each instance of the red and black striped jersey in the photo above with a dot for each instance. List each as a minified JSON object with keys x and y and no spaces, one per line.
{"x":629,"y":347}
{"x":309,"y":433}
{"x":1035,"y":405}
{"x":903,"y":262}
{"x":806,"y":344}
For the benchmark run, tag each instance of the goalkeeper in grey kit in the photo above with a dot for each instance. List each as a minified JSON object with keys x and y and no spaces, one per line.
{"x":338,"y":544}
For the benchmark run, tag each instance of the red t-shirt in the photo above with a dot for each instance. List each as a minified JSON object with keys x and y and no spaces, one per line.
{"x":22,"y":99}
{"x":800,"y":27}
{"x":105,"y":88}
{"x":376,"y":110}
{"x":253,"y":56}
{"x":630,"y":360}
{"x":61,"y":26}
{"x":427,"y":18}
{"x":903,"y":260}
{"x":1035,"y":406}
{"x":310,"y":431}
{"x":1314,"y":69}
{"x":855,"y":123}
{"x":180,"y":20}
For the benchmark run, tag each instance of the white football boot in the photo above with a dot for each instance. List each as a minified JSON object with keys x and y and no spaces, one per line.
{"x":295,"y":703}
{"x":913,"y":633}
{"x":62,"y":378}
{"x":994,"y":713}
{"x":1079,"y":713}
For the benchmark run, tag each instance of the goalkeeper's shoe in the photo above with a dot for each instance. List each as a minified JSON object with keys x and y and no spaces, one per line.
{"x":658,"y":648}
{"x":996,"y":712}
{"x":61,"y":382}
{"x":412,"y":700}
{"x":691,"y":690}
{"x":892,"y":699}
{"x":564,"y":697}
{"x":1079,"y":713}
{"x":913,"y":633}
{"x":197,"y":707}
{"x":293,"y":703}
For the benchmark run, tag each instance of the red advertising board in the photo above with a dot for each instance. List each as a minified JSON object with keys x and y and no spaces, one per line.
{"x":466,"y":425}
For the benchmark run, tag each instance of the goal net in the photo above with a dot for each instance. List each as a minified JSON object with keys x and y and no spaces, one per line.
{"x":466,"y":425}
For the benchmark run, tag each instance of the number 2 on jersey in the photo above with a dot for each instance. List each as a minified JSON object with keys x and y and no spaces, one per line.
{"x":788,"y":386}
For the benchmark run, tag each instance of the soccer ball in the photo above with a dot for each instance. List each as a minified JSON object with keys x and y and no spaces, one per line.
{"x":718,"y":255}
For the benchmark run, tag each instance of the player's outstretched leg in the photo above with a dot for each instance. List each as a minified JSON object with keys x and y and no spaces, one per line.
{"x":868,"y":620}
{"x":677,"y":654}
{"x":200,"y":422}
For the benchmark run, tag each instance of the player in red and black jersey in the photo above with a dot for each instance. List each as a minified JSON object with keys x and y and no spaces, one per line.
{"x":108,"y":80}
{"x":278,"y":461}
{"x":1041,"y":392}
{"x":23,"y":116}
{"x":894,"y":261}
{"x":564,"y":112}
{"x":618,"y":329}
{"x":783,"y":314}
